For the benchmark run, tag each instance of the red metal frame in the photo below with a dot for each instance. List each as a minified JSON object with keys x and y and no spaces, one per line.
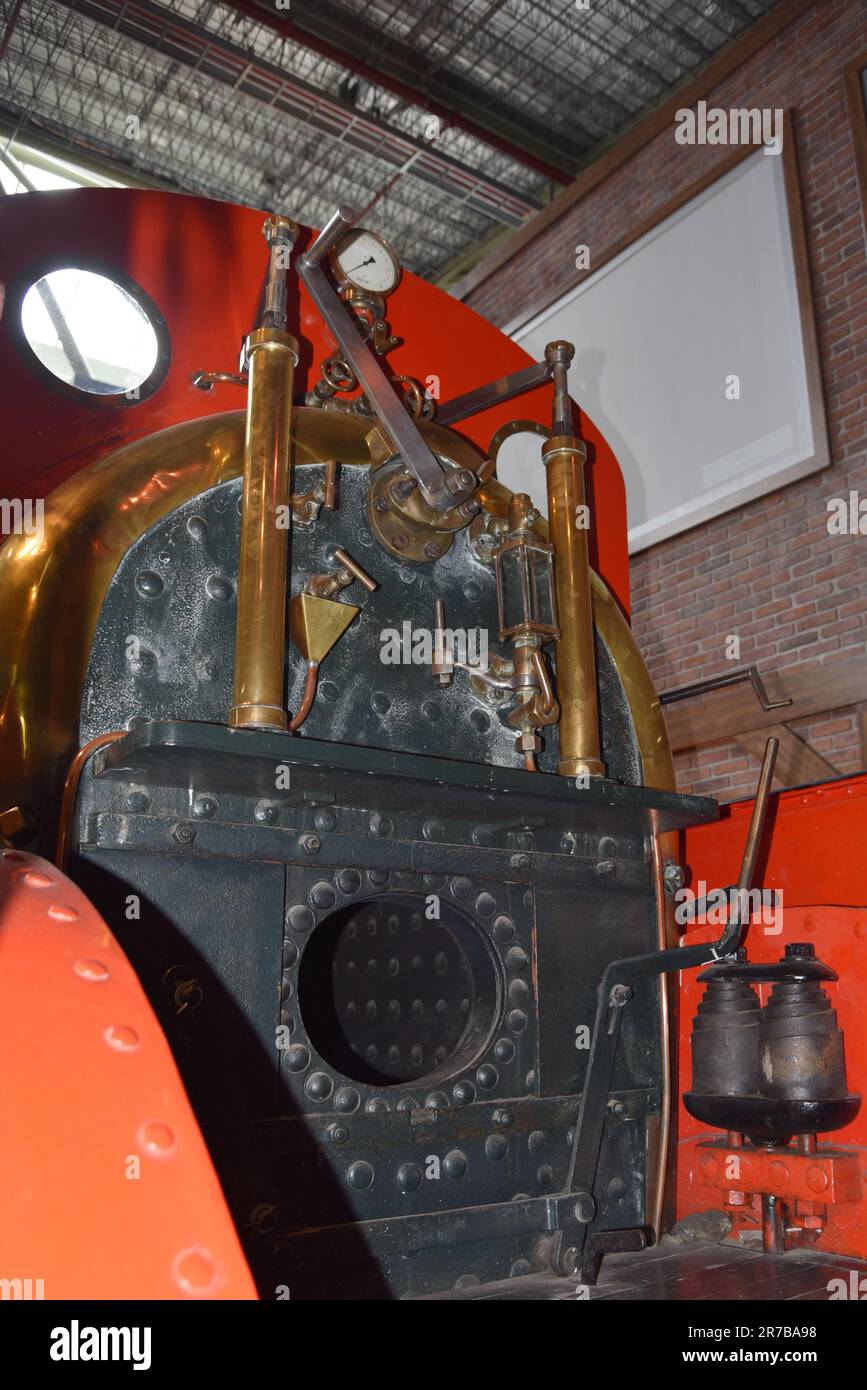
{"x":812,"y":855}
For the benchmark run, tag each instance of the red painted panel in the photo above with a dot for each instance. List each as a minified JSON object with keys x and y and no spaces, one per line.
{"x":106,"y":1187}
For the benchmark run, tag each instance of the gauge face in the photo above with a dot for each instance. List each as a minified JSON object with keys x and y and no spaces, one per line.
{"x":363,"y":260}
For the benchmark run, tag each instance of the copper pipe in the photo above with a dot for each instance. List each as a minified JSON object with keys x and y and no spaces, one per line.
{"x":260,"y":633}
{"x":530,"y":762}
{"x":544,"y":680}
{"x":70,"y":789}
{"x":757,"y":819}
{"x":564,"y":457}
{"x":307,"y":697}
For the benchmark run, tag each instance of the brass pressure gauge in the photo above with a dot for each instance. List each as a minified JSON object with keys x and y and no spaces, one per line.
{"x":361,"y":260}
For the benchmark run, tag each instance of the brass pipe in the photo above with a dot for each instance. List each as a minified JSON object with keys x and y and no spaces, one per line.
{"x":260,"y":633}
{"x":564,"y":457}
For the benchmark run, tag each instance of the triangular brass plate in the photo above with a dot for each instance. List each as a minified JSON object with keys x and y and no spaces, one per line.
{"x":315,"y":624}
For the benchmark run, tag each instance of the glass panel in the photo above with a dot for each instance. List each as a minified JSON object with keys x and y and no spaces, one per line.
{"x":511,"y":589}
{"x":541,"y":588}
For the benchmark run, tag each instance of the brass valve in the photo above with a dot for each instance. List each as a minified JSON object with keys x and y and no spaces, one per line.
{"x":327,"y":585}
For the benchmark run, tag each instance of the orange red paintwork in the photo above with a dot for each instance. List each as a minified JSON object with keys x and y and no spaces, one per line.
{"x":106,"y":1186}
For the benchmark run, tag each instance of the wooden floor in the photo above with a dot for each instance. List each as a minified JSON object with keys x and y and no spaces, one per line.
{"x":671,"y":1272}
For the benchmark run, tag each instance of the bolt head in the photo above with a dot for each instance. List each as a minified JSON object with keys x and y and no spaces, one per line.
{"x":311,"y":844}
{"x":584,"y":1209}
{"x":673,"y":877}
{"x":183,"y":834}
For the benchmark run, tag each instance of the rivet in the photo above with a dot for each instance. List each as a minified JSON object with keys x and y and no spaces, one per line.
{"x":504,"y":928}
{"x":196,"y":1272}
{"x":322,"y":894}
{"x":149,"y":584}
{"x":606,"y":868}
{"x":32,"y":878}
{"x":347,"y":1100}
{"x":360,"y":1175}
{"x":324,"y":819}
{"x":60,"y":913}
{"x":157,"y":1139}
{"x":496,"y":1147}
{"x":219,"y":588}
{"x":121,"y":1037}
{"x":297,"y":1057}
{"x":455,"y":1165}
{"x":338,"y":1134}
{"x":487,"y":1076}
{"x":204,"y":807}
{"x":409,"y":1177}
{"x":380,"y":824}
{"x":504,"y":1050}
{"x":318,"y":1085}
{"x":437,"y":1100}
{"x":464,"y":1092}
{"x":348,"y":881}
{"x":91,"y":970}
{"x":461,"y":888}
{"x":137,"y":800}
{"x":299,"y":918}
{"x":516,"y":959}
{"x":485,"y":904}
{"x":519,"y":992}
{"x":537,"y":1142}
{"x":817,"y":1179}
{"x":433,"y":830}
{"x":265,"y":812}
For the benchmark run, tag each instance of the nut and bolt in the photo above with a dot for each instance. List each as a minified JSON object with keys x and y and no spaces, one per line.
{"x":184,"y":834}
{"x":673,"y":878}
{"x":311,"y":844}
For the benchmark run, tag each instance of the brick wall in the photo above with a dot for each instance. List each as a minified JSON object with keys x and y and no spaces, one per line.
{"x":767,"y":571}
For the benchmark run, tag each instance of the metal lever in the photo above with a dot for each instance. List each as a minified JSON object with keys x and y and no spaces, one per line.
{"x":576,"y":1205}
{"x":441,"y":488}
{"x":744,"y":673}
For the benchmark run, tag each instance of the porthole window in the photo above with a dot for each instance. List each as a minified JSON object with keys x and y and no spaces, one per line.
{"x":94,"y":334}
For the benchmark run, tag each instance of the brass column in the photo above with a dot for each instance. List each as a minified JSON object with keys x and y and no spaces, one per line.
{"x":260,"y":634}
{"x":564,"y":457}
